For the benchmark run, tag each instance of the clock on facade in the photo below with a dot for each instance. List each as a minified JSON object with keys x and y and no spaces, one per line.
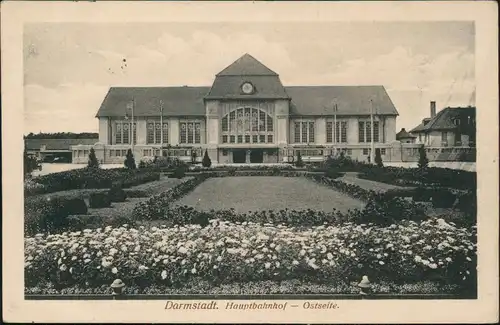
{"x":247,"y":88}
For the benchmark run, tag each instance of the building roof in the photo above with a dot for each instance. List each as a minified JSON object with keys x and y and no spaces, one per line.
{"x":265,"y":87}
{"x":305,"y":100}
{"x":350,"y":100}
{"x":177,"y":101}
{"x":403,"y":134}
{"x":247,"y":65}
{"x":444,"y":119}
{"x":57,"y":144}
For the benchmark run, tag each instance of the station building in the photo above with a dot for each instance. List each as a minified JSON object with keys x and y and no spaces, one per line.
{"x":246,"y":116}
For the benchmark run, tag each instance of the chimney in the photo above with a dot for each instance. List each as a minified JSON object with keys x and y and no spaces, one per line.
{"x":403,"y":129}
{"x":433,"y":109}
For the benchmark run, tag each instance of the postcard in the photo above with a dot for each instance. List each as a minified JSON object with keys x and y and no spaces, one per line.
{"x":249,"y":162}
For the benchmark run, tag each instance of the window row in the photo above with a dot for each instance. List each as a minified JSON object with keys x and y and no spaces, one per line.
{"x":157,"y":133}
{"x":118,"y":152}
{"x":340,"y":132}
{"x":247,"y":119}
{"x":81,"y":153}
{"x":190,"y":132}
{"x":125,"y":133}
{"x":304,"y":132}
{"x":261,"y":138}
{"x":365,"y":131}
{"x":366,"y":151}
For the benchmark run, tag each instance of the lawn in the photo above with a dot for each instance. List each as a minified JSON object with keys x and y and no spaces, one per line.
{"x":264,"y":193}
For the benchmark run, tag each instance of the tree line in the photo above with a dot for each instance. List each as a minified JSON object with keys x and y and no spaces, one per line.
{"x":62,"y":135}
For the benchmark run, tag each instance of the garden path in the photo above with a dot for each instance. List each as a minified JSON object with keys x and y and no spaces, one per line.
{"x":352,"y":178}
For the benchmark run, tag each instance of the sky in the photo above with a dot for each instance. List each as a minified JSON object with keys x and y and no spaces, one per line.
{"x":69,"y":67}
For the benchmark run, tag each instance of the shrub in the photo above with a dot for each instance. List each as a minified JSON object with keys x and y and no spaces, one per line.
{"x":75,"y":206}
{"x":117,"y":194}
{"x":179,"y":172}
{"x":332,"y":173}
{"x":299,"y":163}
{"x":443,"y":199}
{"x":467,"y":203}
{"x":81,"y":222}
{"x":206,"y":162}
{"x":31,"y":187}
{"x":44,"y":215}
{"x":423,"y":162}
{"x":30,"y":163}
{"x":99,"y":200}
{"x":129,"y":160}
{"x":142,"y":164}
{"x":92,"y":163}
{"x":132,"y":193}
{"x":378,"y":158}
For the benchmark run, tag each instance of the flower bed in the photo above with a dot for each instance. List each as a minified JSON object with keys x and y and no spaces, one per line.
{"x":95,"y":178}
{"x":225,"y":252}
{"x":31,"y":187}
{"x":246,"y":167}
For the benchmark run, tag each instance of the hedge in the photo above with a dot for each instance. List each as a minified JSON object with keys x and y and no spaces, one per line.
{"x":99,"y":200}
{"x":95,"y":178}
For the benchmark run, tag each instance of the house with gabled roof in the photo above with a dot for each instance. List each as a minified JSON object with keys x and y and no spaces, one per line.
{"x":246,"y":116}
{"x":450,"y":127}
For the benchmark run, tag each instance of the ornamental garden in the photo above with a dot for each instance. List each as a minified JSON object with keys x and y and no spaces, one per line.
{"x":168,"y":227}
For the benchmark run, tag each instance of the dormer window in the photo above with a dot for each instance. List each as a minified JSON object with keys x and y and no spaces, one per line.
{"x":457,"y":121}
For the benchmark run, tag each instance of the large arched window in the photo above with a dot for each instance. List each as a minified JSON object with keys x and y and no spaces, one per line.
{"x":247,"y":125}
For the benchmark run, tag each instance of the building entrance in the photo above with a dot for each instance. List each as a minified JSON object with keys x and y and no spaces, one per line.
{"x":257,"y":156}
{"x":239,"y":156}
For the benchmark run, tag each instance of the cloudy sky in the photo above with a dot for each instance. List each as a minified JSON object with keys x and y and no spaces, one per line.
{"x":68,"y":67}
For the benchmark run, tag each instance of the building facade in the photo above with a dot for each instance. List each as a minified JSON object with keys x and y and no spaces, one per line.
{"x":245,"y":116}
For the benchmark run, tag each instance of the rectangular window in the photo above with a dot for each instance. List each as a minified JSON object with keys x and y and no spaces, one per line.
{"x":270,"y":138}
{"x":365,"y":152}
{"x":224,"y":139}
{"x":126,"y":133}
{"x":337,"y":132}
{"x":382,"y":151}
{"x":232,"y":138}
{"x":368,"y":132}
{"x":165,"y":132}
{"x":297,"y":132}
{"x":262,"y":138}
{"x":343,"y":133}
{"x":254,"y":139}
{"x":197,"y":133}
{"x":311,"y":132}
{"x":304,"y":132}
{"x":247,"y":138}
{"x":361,"y":131}
{"x":375,"y":131}
{"x":190,"y":133}
{"x":118,"y":133}
{"x":444,"y":138}
{"x":329,"y":132}
{"x":240,"y":139}
{"x":183,"y":137}
{"x":224,"y":152}
{"x":262,"y":119}
{"x":157,"y":133}
{"x":349,"y":152}
{"x":269,"y":124}
{"x":150,"y":132}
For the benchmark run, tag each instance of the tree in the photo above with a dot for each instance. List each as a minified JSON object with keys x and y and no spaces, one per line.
{"x":378,"y":158}
{"x":299,"y":162}
{"x":92,"y":163}
{"x":129,"y":160}
{"x":29,"y":163}
{"x":423,"y":162}
{"x":206,"y":162}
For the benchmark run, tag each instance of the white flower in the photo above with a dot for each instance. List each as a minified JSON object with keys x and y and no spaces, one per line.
{"x":468,"y":259}
{"x":63,"y":267}
{"x":114,"y":270}
{"x":329,"y":256}
{"x":193,"y":270}
{"x":267,"y":265}
{"x":448,"y":259}
{"x":302,"y":252}
{"x":381,"y":262}
{"x":219,"y":258}
{"x":182,"y":250}
{"x":379,"y":256}
{"x":73,"y":258}
{"x":433,"y":266}
{"x":295,"y":262}
{"x":418,"y":259}
{"x":87,"y":260}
